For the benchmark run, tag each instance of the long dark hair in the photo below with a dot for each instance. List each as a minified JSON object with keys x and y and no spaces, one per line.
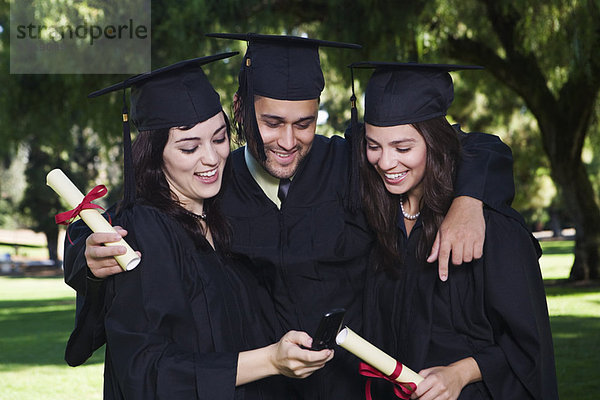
{"x":381,"y":207}
{"x":246,"y":127}
{"x":152,"y":188}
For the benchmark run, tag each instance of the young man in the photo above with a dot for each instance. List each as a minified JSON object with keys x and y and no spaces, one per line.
{"x":288,"y":203}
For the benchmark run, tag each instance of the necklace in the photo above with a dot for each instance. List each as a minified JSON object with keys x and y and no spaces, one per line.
{"x":407,"y":215}
{"x":198,"y":217}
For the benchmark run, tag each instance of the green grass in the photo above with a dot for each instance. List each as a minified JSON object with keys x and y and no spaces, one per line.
{"x":36,"y":317}
{"x":557,"y":259}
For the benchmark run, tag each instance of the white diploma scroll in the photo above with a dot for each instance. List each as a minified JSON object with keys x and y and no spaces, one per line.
{"x":374,"y":356}
{"x":63,"y":186}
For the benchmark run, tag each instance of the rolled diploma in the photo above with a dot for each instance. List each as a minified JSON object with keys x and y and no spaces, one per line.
{"x":374,"y":356}
{"x":63,"y":186}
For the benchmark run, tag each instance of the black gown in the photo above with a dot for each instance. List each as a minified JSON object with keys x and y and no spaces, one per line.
{"x":175,"y":324}
{"x":493,"y":309}
{"x":311,"y":255}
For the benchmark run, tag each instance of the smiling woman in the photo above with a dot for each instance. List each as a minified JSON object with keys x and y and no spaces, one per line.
{"x":194,"y":160}
{"x":188,"y":322}
{"x":485,"y":332}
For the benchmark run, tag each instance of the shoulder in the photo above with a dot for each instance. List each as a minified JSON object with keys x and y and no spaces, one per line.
{"x":149,"y":224}
{"x":505,"y":231}
{"x":332,"y":142}
{"x":334,"y":149}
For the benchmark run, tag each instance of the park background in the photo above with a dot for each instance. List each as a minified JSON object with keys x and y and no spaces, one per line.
{"x":538,"y":92}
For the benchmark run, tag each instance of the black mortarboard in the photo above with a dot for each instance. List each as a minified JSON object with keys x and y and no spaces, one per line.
{"x":281,"y":67}
{"x":171,"y":96}
{"x":404,"y":93}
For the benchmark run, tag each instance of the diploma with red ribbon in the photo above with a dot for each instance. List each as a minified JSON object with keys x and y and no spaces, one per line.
{"x":378,"y":364}
{"x":82,"y":206}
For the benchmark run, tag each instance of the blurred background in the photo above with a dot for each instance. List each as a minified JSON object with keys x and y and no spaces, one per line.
{"x":538,"y":92}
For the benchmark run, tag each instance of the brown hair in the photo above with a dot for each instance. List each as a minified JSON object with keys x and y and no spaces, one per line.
{"x":152,"y":188}
{"x":381,"y":207}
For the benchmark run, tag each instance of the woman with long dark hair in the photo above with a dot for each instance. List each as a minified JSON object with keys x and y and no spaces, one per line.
{"x":186,"y":323}
{"x":484,"y":333}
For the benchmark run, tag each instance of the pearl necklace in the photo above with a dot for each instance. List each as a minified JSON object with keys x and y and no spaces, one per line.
{"x":407,"y":215}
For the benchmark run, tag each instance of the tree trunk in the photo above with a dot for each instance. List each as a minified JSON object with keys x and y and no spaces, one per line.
{"x":52,"y":239}
{"x":577,"y":192}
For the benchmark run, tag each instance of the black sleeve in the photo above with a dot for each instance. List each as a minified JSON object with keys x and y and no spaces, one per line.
{"x":88,"y":333}
{"x":74,"y":264}
{"x":521,"y":362}
{"x":485,"y":172}
{"x":151,"y":335}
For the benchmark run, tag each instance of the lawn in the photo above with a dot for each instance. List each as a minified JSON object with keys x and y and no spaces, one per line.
{"x":36,"y":317}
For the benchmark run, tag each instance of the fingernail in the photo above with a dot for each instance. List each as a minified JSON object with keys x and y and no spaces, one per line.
{"x":443,"y":277}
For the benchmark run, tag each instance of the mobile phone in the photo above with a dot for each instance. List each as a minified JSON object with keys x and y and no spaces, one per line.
{"x":330,"y":325}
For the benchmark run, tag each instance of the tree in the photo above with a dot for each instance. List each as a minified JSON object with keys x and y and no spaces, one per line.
{"x":547,"y":53}
{"x":543,"y":54}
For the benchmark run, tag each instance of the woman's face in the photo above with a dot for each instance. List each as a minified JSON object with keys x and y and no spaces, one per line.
{"x":194,"y":160}
{"x":398,"y":154}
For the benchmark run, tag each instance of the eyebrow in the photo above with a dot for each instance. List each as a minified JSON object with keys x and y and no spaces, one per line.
{"x":310,"y":118}
{"x":218,"y":130}
{"x":395,"y":142}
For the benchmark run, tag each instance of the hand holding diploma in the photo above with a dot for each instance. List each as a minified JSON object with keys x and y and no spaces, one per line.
{"x":404,"y":378}
{"x":63,"y":186}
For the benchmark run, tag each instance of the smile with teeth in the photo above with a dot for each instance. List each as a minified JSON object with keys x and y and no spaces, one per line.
{"x":206,"y":174}
{"x":395,"y":175}
{"x":282,"y":155}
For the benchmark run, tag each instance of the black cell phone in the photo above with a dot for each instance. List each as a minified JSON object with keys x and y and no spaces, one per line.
{"x":330,"y":325}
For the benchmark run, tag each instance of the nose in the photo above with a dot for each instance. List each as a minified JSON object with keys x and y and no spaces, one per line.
{"x":387,"y":160}
{"x":209,"y":155}
{"x":287,"y":139}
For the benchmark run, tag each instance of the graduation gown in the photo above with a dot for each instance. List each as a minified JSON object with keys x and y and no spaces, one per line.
{"x":175,"y":324}
{"x":312,"y":253}
{"x":493,"y":309}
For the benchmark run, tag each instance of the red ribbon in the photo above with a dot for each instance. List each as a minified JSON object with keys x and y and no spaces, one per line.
{"x":401,"y":390}
{"x":65,"y":218}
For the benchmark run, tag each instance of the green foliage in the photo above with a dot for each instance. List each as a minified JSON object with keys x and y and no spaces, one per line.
{"x":51,"y":112}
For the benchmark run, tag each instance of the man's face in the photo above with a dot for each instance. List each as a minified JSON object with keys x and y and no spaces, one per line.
{"x":287,"y":129}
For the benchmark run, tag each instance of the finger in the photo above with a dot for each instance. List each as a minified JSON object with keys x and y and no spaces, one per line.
{"x":467,"y":253}
{"x":298,"y":338}
{"x":443,"y":258}
{"x":106,"y":272}
{"x":101,"y":252}
{"x":478,"y":249}
{"x":315,"y":358}
{"x":120,"y":230}
{"x":457,"y":254}
{"x":435,"y":249}
{"x":99,"y":238}
{"x":423,"y":388}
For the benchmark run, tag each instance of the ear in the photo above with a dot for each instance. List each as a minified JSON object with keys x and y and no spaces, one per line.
{"x":236,"y":108}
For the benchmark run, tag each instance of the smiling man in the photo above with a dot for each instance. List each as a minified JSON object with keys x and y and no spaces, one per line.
{"x":287,"y":131}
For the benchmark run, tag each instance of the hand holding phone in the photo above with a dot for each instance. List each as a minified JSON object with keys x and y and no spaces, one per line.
{"x":330,"y":325}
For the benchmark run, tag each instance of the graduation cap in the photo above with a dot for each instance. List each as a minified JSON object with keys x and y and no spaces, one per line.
{"x":405,"y":93}
{"x":280,"y":67}
{"x":171,"y":96}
